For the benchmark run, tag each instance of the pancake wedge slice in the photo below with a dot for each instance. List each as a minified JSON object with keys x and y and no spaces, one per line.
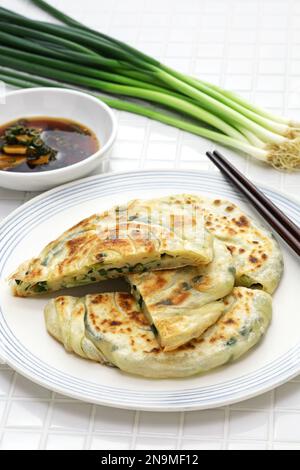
{"x":118,"y":329}
{"x":257,"y":256}
{"x":64,"y":318}
{"x":182,"y":303}
{"x":136,"y":237}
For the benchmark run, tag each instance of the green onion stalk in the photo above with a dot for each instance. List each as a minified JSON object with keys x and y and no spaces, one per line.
{"x":22,"y":80}
{"x":73,"y":55}
{"x":226,"y":96}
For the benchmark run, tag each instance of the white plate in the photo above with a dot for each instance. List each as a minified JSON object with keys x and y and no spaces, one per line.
{"x":28,"y":348}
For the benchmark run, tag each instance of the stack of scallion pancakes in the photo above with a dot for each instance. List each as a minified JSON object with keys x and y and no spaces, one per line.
{"x":201,"y":275}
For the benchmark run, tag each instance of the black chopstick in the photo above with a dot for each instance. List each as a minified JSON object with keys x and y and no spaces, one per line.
{"x":293,"y":228}
{"x":284,"y":226}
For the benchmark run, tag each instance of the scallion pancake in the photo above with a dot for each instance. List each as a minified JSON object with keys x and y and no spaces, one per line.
{"x":257,"y":257}
{"x":136,"y":237}
{"x":65,"y":321}
{"x":181,"y":303}
{"x":118,"y":329}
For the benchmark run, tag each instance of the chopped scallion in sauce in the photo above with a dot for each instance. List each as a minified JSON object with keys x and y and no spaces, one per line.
{"x":42,"y":144}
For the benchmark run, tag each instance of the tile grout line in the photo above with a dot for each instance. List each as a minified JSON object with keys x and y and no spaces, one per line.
{"x":179,"y":142}
{"x":187,"y":437}
{"x":141,"y":160}
{"x":180,"y":430}
{"x":222,"y":82}
{"x":223,"y":71}
{"x":233,"y":407}
{"x":135,"y":430}
{"x":89,"y":436}
{"x":286,"y":74}
{"x":8,"y":406}
{"x":106,"y":165}
{"x":222,"y":74}
{"x":255,"y":68}
{"x":271,"y":420}
{"x":282,"y":179}
{"x":46,"y":425}
{"x":226,"y":427}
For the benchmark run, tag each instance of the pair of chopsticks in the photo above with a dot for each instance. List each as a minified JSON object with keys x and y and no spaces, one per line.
{"x":283,"y":225}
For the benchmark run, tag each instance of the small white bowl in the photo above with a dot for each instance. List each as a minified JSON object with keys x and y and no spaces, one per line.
{"x":64,"y":104}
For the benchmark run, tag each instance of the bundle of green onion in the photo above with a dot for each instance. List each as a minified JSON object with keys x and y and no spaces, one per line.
{"x":35,"y":53}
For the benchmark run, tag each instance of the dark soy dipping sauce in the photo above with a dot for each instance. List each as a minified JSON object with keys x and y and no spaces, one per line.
{"x":72,"y":141}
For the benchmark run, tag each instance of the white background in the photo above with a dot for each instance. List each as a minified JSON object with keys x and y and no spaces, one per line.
{"x":252,"y":47}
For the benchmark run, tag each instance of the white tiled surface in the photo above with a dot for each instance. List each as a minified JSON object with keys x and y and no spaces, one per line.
{"x":253,"y":47}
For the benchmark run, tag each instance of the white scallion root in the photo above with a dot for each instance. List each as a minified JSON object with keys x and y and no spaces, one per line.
{"x":285,"y":156}
{"x":294,"y":124}
{"x":293,"y":133}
